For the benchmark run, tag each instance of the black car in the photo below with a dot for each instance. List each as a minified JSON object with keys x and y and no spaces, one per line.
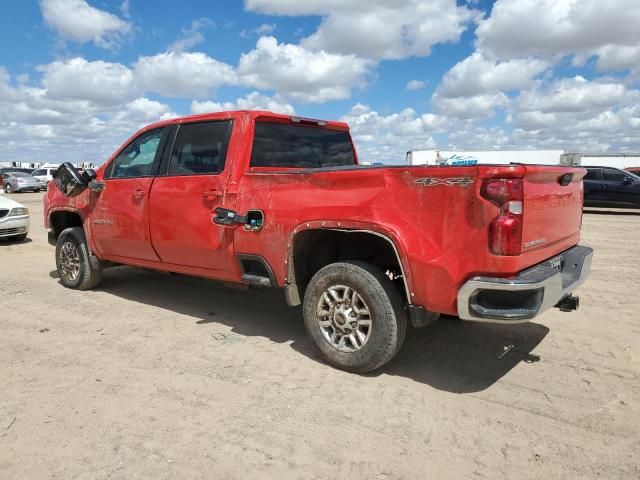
{"x":611,"y":187}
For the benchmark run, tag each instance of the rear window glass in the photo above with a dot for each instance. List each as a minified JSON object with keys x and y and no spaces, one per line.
{"x":593,"y":174}
{"x":297,"y":146}
{"x":200,"y":148}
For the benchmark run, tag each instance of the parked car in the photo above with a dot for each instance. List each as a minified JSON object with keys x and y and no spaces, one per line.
{"x":634,"y":170}
{"x":14,"y":219}
{"x":363,"y":249}
{"x":20,"y":182}
{"x":611,"y":187}
{"x":45,"y":175}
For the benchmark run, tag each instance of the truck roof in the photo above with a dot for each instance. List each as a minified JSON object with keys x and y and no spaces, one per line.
{"x":253,"y":115}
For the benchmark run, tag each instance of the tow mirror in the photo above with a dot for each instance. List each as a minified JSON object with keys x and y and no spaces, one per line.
{"x":70,"y":182}
{"x":228,"y":218}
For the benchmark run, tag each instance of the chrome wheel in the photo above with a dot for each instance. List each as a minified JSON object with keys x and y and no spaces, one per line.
{"x":344,"y":318}
{"x":69,"y":262}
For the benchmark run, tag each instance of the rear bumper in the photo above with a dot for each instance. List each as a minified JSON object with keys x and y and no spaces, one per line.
{"x":502,"y":300}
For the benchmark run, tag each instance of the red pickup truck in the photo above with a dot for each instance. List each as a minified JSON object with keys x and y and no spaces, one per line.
{"x":278,"y":201}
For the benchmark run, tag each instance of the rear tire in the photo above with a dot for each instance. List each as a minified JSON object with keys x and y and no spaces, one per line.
{"x":76,"y":268}
{"x":335,"y":303}
{"x":7,"y":188}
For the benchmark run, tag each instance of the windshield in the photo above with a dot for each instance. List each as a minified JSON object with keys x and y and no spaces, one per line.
{"x":634,"y":175}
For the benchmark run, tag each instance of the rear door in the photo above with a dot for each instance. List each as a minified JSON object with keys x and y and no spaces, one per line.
{"x":190,"y":186}
{"x":120,"y":219}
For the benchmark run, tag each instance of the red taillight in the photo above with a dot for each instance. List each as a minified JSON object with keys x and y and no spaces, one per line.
{"x":505,"y":231}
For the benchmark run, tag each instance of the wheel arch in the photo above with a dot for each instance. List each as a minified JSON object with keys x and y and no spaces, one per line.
{"x":327,"y":243}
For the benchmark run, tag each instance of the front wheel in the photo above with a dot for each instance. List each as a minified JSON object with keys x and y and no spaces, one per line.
{"x":355,"y":316}
{"x":73,"y":262}
{"x":7,"y":188}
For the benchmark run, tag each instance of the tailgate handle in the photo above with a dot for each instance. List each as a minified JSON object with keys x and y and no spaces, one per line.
{"x":565,"y":179}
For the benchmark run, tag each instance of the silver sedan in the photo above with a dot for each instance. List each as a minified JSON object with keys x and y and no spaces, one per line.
{"x":20,"y":182}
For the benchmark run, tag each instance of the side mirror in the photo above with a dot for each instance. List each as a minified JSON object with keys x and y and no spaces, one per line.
{"x":69,"y":181}
{"x":627,"y":181}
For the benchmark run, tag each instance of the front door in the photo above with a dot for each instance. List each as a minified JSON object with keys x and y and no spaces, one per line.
{"x":120,"y":219}
{"x":184,"y":196}
{"x":620,"y":188}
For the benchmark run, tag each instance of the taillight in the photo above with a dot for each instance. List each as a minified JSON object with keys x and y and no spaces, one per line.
{"x":505,"y":230}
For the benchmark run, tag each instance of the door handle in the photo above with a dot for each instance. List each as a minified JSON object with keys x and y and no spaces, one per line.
{"x":139,"y":193}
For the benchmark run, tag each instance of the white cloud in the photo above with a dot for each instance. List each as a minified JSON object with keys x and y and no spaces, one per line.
{"x":78,"y":21}
{"x":191,"y":36}
{"x":518,"y":28}
{"x":616,"y":57}
{"x":181,"y":74}
{"x":416,"y":85}
{"x":376,"y":29}
{"x":98,"y":82}
{"x":252,"y":101}
{"x":477,"y":75}
{"x":387,"y":138}
{"x":300,"y":74}
{"x":477,"y":106}
{"x":573,"y":95}
{"x":264,"y":29}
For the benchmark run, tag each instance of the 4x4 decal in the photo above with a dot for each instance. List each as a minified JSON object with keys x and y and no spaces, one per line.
{"x":448,"y":182}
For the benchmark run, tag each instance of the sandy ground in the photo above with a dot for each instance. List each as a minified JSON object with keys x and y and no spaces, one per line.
{"x":160,"y":376}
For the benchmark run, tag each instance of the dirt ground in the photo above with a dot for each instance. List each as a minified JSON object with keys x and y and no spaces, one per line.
{"x":160,"y":376}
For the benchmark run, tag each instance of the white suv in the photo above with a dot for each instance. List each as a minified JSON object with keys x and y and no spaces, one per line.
{"x":45,"y":175}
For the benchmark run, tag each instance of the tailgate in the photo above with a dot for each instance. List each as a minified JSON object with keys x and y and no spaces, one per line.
{"x":552,"y":208}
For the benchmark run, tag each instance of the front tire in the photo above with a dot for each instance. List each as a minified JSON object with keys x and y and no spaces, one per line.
{"x":8,"y":189}
{"x":76,"y":268}
{"x":355,"y":316}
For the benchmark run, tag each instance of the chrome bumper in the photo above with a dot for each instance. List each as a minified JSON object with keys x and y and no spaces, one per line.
{"x":502,"y":300}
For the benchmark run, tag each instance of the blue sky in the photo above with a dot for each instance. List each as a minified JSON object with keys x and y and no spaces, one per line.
{"x":77,"y":77}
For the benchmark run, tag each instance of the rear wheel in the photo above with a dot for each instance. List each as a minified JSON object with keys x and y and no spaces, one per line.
{"x":355,"y":316}
{"x":7,"y":188}
{"x":75,"y":266}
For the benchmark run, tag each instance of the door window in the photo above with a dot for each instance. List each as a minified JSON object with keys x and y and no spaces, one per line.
{"x":139,"y":158}
{"x":200,"y":148}
{"x":612,"y":175}
{"x":593,"y":174}
{"x":39,"y":173}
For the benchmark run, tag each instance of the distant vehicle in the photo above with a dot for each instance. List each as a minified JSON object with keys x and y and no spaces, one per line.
{"x":495,"y":157}
{"x":20,"y":182}
{"x":14,"y":219}
{"x":611,"y":187}
{"x":621,"y":161}
{"x":45,"y":175}
{"x":16,"y":169}
{"x":634,"y":170}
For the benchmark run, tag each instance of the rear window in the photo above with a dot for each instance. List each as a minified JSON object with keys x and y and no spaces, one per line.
{"x":297,"y":146}
{"x":593,"y":174}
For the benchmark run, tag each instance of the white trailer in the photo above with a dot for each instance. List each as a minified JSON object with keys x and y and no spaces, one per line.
{"x":500,"y":157}
{"x":616,"y":160}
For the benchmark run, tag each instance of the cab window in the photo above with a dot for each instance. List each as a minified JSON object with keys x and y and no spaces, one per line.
{"x":139,"y":158}
{"x":593,"y":174}
{"x":200,"y":148}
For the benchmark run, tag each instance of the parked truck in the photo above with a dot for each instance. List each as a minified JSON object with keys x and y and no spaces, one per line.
{"x":276,"y":201}
{"x":483,"y":157}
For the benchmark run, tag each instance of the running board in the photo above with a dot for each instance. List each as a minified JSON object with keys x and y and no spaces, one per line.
{"x":258,"y":280}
